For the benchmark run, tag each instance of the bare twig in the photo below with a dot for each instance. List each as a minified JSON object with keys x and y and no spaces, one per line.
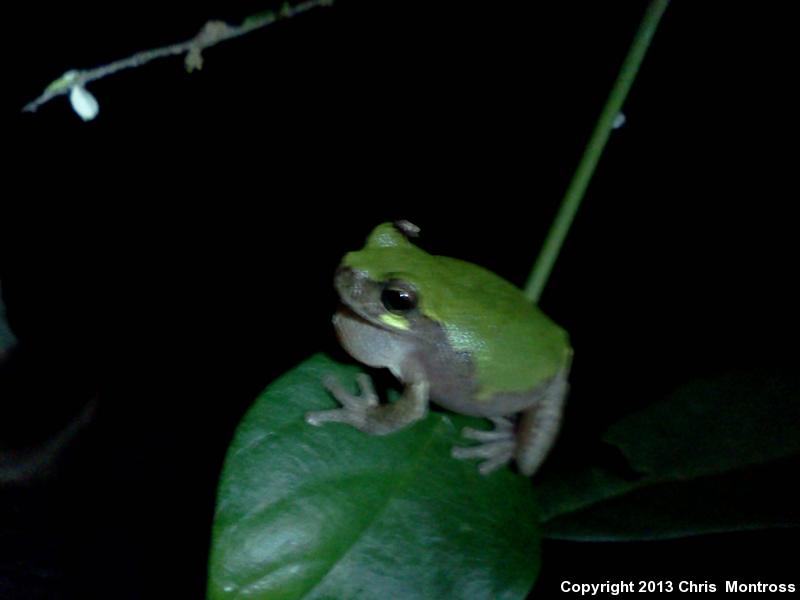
{"x":211,"y":34}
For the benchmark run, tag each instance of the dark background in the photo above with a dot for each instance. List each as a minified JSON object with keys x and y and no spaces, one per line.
{"x":175,"y":255}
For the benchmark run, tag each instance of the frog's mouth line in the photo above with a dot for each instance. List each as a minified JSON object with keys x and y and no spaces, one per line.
{"x":346,"y":311}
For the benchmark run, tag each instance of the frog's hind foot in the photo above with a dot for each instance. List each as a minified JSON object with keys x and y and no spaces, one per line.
{"x":497,"y":445}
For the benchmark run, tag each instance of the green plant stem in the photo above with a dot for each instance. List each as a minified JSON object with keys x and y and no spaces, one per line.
{"x":591,"y":156}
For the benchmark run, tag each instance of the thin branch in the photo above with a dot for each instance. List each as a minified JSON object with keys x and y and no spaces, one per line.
{"x":211,"y":34}
{"x":591,"y":156}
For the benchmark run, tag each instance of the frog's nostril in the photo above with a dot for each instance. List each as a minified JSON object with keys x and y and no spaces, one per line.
{"x":345,"y":282}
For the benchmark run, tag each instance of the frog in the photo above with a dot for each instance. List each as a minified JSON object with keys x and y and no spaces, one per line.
{"x":453,"y":333}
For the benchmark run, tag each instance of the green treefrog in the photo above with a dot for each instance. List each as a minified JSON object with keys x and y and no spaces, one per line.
{"x":455,"y":333}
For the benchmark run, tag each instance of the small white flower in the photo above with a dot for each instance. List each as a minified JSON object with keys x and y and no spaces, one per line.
{"x":619,"y":121}
{"x":83,"y":103}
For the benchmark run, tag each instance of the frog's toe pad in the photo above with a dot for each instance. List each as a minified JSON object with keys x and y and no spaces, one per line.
{"x":337,"y":415}
{"x":481,"y":435}
{"x":319,"y":417}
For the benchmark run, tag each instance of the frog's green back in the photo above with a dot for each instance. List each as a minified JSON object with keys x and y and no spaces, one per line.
{"x":514,"y":345}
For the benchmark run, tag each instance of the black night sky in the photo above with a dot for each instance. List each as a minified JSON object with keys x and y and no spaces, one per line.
{"x":175,"y":255}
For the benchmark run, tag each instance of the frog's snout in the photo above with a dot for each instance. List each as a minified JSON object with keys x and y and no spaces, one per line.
{"x":343,"y":279}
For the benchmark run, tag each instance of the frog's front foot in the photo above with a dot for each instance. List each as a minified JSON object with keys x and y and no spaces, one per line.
{"x":497,"y":445}
{"x":355,"y":408}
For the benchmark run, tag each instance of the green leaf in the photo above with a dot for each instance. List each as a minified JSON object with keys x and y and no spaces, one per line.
{"x":330,"y":512}
{"x":756,"y":497}
{"x":717,"y":455}
{"x":714,"y":425}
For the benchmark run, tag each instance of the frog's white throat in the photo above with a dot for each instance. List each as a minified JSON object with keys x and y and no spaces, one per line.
{"x":370,"y":343}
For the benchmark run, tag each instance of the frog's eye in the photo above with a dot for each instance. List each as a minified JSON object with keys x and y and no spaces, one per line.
{"x":398,"y":297}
